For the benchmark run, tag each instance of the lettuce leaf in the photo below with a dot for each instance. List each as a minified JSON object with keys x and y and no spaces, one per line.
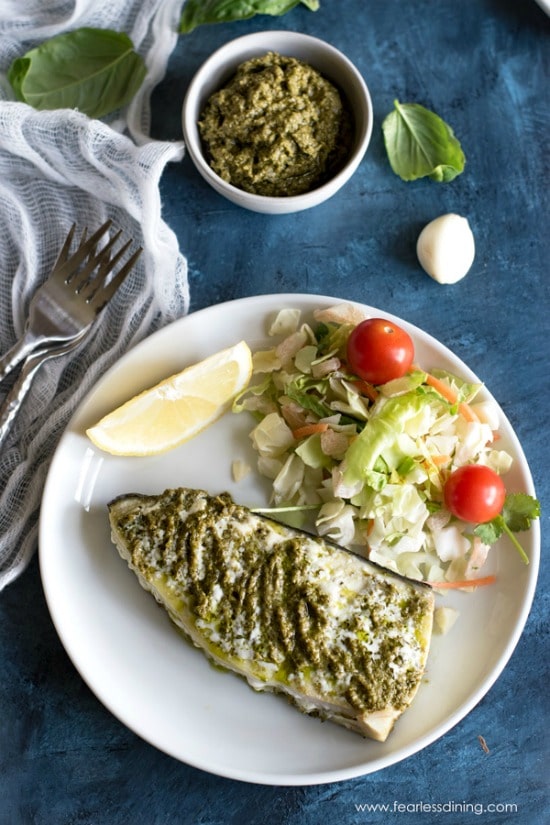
{"x":379,"y":434}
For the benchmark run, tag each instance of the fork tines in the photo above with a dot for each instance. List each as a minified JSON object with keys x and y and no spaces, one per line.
{"x":81,"y":265}
{"x":99,"y":292}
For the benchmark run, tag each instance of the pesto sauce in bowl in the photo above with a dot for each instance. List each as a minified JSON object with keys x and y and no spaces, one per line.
{"x":277,"y":128}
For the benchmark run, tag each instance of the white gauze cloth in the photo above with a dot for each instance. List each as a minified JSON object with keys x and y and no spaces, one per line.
{"x":57,"y":168}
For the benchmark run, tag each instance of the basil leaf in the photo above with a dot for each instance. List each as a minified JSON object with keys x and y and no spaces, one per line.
{"x":420,"y":144}
{"x":199,"y":12}
{"x":93,"y":70}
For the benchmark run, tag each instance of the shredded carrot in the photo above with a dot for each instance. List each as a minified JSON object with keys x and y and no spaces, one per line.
{"x":440,"y":460}
{"x":366,"y":389}
{"x":450,"y":395}
{"x":310,"y":429}
{"x":465,"y":583}
{"x":442,"y":388}
{"x":466,"y":411}
{"x":483,"y":744}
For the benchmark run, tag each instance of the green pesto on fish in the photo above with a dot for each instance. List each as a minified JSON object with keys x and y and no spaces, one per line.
{"x":292,"y":613}
{"x":277,"y":128}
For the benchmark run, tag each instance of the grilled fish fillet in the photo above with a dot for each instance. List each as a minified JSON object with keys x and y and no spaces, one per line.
{"x":292,"y":613}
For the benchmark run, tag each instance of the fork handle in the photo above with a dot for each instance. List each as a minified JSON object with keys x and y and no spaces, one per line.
{"x":20,"y":350}
{"x":15,"y":397}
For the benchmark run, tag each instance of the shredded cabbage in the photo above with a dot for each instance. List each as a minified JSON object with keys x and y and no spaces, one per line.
{"x":374,"y":467}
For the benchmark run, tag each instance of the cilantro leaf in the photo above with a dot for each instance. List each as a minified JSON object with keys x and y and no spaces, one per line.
{"x":491,"y":531}
{"x":518,"y":512}
{"x":300,"y":392}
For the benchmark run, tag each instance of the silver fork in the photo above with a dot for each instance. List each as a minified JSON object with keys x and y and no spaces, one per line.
{"x":62,"y":312}
{"x":64,"y":308}
{"x":15,"y":397}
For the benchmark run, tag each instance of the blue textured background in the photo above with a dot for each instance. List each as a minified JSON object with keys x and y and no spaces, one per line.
{"x":483,"y":65}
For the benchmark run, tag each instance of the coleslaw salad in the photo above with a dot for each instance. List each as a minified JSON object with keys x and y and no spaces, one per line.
{"x":369,"y":463}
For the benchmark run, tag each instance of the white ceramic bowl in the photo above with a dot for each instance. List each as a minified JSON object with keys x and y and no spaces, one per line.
{"x":222,"y":64}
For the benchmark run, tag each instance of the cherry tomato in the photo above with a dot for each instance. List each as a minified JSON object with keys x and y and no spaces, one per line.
{"x":379,"y":351}
{"x":474,"y":493}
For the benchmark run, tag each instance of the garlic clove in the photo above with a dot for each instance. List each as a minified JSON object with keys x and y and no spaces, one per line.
{"x":446,"y":248}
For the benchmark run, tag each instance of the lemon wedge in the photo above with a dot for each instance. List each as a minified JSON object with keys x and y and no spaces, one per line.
{"x":176,"y":409}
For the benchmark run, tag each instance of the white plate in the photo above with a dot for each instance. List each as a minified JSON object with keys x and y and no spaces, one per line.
{"x":136,"y":663}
